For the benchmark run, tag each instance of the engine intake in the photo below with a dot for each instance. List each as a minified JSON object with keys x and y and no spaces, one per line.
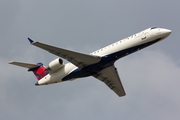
{"x":55,"y":64}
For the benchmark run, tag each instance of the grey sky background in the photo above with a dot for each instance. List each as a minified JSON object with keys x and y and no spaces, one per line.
{"x":150,"y":77}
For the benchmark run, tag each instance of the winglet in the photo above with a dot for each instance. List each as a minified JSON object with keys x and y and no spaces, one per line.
{"x":30,"y":40}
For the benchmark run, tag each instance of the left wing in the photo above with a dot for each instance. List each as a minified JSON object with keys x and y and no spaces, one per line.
{"x":78,"y":59}
{"x":111,"y":78}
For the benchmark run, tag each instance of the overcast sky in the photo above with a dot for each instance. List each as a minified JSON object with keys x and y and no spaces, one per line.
{"x":151,"y":77}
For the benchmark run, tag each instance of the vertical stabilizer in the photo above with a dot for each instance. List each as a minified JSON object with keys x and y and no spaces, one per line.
{"x":39,"y":71}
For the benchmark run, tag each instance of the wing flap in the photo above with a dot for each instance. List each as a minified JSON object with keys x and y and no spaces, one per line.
{"x":111,"y":78}
{"x":78,"y":59}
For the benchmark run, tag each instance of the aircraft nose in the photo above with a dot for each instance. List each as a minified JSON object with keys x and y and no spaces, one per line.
{"x":166,"y":32}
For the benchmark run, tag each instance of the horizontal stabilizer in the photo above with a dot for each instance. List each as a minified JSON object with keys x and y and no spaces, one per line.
{"x":26,"y":65}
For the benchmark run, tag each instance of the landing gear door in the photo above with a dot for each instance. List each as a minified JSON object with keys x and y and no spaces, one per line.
{"x":143,"y":36}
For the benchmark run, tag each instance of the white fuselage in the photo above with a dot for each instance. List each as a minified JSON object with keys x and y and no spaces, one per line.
{"x":150,"y":35}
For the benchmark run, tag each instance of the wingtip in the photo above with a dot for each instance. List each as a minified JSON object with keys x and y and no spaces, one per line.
{"x":30,"y":40}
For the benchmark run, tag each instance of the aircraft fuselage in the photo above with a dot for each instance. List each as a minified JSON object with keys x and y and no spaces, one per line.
{"x":108,"y":55}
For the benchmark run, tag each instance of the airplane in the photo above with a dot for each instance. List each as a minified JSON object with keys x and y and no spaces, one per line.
{"x":99,"y":64}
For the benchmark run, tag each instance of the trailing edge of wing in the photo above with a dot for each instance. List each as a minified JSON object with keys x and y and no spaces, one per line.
{"x":78,"y":59}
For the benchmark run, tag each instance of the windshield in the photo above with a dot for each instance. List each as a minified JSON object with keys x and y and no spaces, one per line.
{"x":153,"y":28}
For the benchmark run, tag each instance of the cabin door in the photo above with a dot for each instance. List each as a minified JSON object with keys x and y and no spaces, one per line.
{"x":143,"y":36}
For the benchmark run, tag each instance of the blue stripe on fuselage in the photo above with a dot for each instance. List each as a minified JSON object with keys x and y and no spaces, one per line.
{"x":106,"y":61}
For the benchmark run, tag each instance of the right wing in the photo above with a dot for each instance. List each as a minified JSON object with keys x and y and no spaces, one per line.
{"x":111,"y":78}
{"x":78,"y":59}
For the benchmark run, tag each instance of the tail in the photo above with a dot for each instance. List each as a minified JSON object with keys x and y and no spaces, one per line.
{"x":38,"y":69}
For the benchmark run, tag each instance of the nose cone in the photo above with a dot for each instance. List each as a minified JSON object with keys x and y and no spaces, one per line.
{"x":166,"y":32}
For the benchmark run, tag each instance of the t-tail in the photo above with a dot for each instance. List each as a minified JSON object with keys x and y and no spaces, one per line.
{"x":38,"y":69}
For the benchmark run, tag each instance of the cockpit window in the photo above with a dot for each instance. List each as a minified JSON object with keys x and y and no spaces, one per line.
{"x":153,"y":28}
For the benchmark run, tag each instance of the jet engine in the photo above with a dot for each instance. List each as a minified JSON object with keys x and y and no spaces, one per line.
{"x":55,"y":65}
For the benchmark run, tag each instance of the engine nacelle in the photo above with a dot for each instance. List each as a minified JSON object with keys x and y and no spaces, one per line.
{"x":55,"y":64}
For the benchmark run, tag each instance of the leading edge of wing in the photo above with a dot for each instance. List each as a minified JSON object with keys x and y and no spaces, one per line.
{"x":111,"y":78}
{"x":78,"y":59}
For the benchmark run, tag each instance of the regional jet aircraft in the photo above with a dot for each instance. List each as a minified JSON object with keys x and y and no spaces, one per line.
{"x":99,"y":64}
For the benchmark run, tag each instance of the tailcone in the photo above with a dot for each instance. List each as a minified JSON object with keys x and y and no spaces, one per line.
{"x":37,"y":84}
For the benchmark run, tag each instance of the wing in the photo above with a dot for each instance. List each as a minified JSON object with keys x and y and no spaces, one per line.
{"x":111,"y":78}
{"x":78,"y":59}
